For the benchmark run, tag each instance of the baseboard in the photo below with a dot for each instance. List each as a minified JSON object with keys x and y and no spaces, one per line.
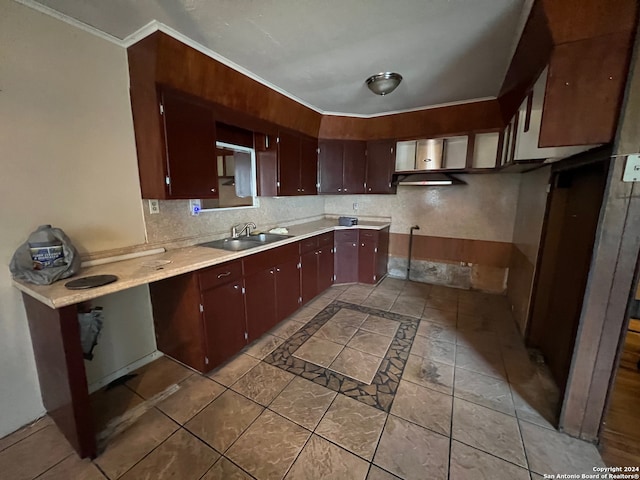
{"x":129,"y":368}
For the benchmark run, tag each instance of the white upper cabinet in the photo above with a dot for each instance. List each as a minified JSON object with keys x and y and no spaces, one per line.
{"x":450,"y":153}
{"x":485,"y":150}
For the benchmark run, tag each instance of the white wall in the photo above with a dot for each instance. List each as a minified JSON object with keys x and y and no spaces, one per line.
{"x":67,"y":158}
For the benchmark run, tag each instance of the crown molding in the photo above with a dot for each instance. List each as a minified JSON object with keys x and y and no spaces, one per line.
{"x":70,"y":21}
{"x":409,"y":110}
{"x":154,"y":26}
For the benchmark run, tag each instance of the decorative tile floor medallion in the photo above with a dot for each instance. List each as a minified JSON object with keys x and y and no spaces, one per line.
{"x":381,"y":390}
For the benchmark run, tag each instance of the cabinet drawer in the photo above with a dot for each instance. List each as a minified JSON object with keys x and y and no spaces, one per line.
{"x":220,"y":274}
{"x":346,"y":236}
{"x":369,"y":236}
{"x":264,"y":260}
{"x":326,"y":239}
{"x":308,"y":244}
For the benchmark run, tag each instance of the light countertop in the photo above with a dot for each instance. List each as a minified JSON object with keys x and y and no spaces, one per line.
{"x":138,"y":271}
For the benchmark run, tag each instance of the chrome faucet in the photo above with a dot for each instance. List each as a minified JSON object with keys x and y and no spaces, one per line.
{"x":247,"y":227}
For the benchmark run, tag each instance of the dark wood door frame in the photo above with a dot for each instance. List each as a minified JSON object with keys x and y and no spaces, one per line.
{"x":611,"y":277}
{"x":570,"y":225}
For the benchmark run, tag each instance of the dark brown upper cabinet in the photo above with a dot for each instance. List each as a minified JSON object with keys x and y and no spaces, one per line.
{"x":190,"y":147}
{"x":380,"y":166}
{"x":176,"y":142}
{"x":342,"y":166}
{"x":287,"y":164}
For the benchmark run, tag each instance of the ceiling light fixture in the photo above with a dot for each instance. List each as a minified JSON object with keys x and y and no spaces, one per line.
{"x":383,"y":83}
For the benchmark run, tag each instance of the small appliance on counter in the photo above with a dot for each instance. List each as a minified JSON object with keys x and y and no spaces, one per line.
{"x":347,"y":221}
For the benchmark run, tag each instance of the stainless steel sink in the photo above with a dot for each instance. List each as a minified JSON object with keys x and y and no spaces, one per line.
{"x":231,"y":244}
{"x":267,"y":237}
{"x":245,"y":243}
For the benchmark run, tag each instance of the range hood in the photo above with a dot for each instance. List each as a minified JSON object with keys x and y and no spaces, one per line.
{"x":426,"y":179}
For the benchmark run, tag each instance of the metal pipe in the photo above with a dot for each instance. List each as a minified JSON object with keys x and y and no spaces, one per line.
{"x":415,"y":227}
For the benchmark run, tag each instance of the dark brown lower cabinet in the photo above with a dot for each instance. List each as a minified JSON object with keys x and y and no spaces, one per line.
{"x":309,"y":275}
{"x":316,"y":261}
{"x":325,"y":268}
{"x":372,"y":255}
{"x":346,"y":256}
{"x":287,"y":289}
{"x":203,"y":318}
{"x":382,"y":255}
{"x":361,"y":255}
{"x":200,"y":316}
{"x":367,"y":260}
{"x":260,"y":301}
{"x":224,"y":322}
{"x":272,"y":287}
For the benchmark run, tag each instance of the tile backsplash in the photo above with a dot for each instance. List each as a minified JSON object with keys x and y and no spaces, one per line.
{"x":174,"y":223}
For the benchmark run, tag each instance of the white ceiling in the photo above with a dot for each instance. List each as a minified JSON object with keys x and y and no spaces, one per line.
{"x":321,"y":51}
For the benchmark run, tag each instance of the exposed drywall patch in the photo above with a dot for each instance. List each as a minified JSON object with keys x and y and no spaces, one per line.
{"x":489,"y":279}
{"x":438,"y":273}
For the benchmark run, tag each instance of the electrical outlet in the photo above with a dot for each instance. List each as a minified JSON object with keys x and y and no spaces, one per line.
{"x":355,"y":207}
{"x":194,"y":207}
{"x":154,"y":206}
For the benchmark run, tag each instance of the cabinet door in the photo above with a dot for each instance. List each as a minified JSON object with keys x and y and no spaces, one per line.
{"x":177,"y":319}
{"x":367,"y":262}
{"x":190,"y":139}
{"x":289,"y":164}
{"x":325,"y":268}
{"x":380,"y":165}
{"x":287,"y":289}
{"x":354,"y":162}
{"x":309,"y":166}
{"x":266,"y":164}
{"x":382,"y":255}
{"x":309,"y":275}
{"x":224,"y":322}
{"x":330,"y":166}
{"x":346,"y":262}
{"x":260,"y":302}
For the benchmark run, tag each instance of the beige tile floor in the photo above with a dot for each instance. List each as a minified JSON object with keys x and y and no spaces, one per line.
{"x":470,"y":405}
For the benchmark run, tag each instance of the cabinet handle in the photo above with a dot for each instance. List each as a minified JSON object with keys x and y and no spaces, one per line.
{"x":302,"y":189}
{"x":225,"y":274}
{"x":339,"y":189}
{"x":369,"y":188}
{"x":363,"y":244}
{"x":298,"y":189}
{"x":345,"y":189}
{"x":213,"y":190}
{"x":271,"y":271}
{"x":317,"y":253}
{"x":277,"y":269}
{"x":236,"y":287}
{"x":354,"y":244}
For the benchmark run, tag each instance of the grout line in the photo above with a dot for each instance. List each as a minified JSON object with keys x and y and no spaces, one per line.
{"x":375,"y":450}
{"x":299,"y":453}
{"x":154,"y":448}
{"x":41,"y":419}
{"x":451,"y":422}
{"x":51,"y":467}
{"x":230,"y":461}
{"x":99,"y":468}
{"x":492,"y":454}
